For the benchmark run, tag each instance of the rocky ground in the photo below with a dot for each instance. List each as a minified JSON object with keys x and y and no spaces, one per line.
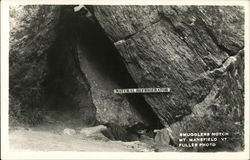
{"x":36,"y":139}
{"x":64,"y":133}
{"x":55,"y":137}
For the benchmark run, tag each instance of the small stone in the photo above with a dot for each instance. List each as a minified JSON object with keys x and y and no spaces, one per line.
{"x":68,"y":131}
{"x":89,"y":131}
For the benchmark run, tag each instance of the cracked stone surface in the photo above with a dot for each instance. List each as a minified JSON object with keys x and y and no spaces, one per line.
{"x":126,"y":24}
{"x":175,"y":46}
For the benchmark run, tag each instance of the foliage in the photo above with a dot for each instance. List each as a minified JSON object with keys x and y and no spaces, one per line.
{"x":27,"y":109}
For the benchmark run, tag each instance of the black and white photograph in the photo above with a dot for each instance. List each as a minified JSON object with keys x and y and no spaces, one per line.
{"x":147,"y":78}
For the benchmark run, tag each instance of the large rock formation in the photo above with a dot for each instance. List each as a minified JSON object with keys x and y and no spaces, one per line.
{"x":197,"y":51}
{"x":100,"y":66}
{"x":61,"y":58}
{"x":89,"y":69}
{"x":32,"y":31}
{"x":67,"y":71}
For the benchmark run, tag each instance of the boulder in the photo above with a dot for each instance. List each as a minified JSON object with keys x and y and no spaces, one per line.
{"x":162,"y":137}
{"x":197,"y":51}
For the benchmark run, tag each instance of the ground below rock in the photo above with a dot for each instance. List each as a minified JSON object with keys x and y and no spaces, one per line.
{"x":34,"y":139}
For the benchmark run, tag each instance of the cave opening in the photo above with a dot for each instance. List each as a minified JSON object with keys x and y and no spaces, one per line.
{"x":66,"y":86}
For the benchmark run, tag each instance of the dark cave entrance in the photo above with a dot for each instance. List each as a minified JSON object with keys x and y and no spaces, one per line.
{"x":65,"y":81}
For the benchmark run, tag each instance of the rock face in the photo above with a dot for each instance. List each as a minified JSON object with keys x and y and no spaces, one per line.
{"x":68,"y":70}
{"x":197,"y":51}
{"x":110,"y":107}
{"x":82,"y":71}
{"x":67,"y":88}
{"x":32,"y":31}
{"x":100,"y":67}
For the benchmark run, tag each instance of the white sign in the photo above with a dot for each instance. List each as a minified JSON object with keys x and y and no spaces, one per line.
{"x":141,"y":90}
